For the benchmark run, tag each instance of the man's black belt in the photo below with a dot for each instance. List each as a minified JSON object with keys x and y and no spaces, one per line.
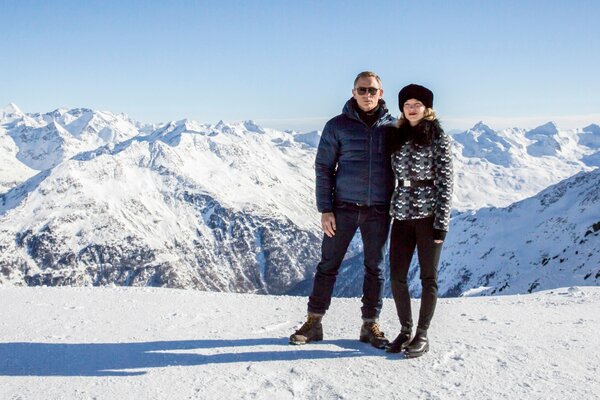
{"x":408,"y":183}
{"x":350,"y":205}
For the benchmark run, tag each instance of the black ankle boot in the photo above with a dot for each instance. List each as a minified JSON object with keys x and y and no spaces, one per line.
{"x":400,"y":343}
{"x":419,"y":345}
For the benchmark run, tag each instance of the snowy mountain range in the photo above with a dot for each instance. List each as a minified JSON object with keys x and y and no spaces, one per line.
{"x":95,"y":198}
{"x":30,"y":143}
{"x":498,"y":168}
{"x":224,"y":207}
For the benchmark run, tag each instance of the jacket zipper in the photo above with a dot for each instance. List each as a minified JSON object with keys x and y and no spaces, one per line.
{"x":370,"y":130}
{"x":370,"y":162}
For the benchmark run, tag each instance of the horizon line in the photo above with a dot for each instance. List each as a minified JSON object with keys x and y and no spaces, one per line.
{"x":317,"y":123}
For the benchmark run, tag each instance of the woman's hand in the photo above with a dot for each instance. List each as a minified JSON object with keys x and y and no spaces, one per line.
{"x":438,"y":236}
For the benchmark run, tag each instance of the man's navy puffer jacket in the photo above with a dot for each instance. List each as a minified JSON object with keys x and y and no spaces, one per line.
{"x":351,"y":164}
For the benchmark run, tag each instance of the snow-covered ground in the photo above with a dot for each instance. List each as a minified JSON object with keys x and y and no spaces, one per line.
{"x":150,"y":343}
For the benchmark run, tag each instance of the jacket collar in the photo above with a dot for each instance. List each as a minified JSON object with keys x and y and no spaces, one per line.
{"x":351,"y":111}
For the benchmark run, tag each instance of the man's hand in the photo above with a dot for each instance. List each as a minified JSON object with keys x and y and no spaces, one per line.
{"x":328,"y":223}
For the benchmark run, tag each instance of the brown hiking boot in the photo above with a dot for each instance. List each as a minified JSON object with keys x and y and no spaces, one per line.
{"x":311,"y":331}
{"x":371,"y":333}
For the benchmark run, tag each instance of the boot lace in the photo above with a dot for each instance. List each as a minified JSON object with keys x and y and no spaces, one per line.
{"x":376,"y":330}
{"x":308,"y":325}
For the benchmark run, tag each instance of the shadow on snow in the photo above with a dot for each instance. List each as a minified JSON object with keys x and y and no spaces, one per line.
{"x":118,"y":359}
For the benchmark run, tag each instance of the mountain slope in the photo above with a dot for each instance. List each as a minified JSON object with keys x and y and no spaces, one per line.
{"x":12,"y":171}
{"x":547,"y":241}
{"x":223,"y":207}
{"x":36,"y":142}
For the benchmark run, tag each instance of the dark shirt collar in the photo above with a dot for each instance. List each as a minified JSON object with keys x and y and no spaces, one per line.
{"x":368,"y":117}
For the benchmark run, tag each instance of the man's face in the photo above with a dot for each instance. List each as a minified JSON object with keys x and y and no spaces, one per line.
{"x":367,"y":93}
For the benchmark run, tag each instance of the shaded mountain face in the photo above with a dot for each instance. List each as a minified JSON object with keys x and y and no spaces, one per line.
{"x":590,"y":137}
{"x":94,"y":198}
{"x":544,"y":139}
{"x":484,"y":143}
{"x":546,"y":241}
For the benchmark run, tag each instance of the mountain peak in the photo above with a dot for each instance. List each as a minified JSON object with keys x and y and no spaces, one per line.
{"x":590,"y":137}
{"x":480,"y":125}
{"x":183,"y":124}
{"x":311,"y":138}
{"x":80,"y":111}
{"x":548,"y":129}
{"x":189,"y":125}
{"x":545,"y":143}
{"x":483,"y":142}
{"x":252,"y":126}
{"x":59,"y":112}
{"x":592,"y":128}
{"x":11,"y":109}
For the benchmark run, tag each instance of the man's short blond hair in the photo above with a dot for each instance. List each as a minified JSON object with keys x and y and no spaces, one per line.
{"x":368,"y":74}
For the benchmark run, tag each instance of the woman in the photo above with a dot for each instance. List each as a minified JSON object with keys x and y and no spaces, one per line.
{"x":422,"y":164}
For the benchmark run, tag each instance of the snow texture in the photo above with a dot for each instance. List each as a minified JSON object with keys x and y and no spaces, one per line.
{"x":151,"y":343}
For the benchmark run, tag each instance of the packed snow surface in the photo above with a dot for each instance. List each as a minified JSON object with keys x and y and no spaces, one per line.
{"x":152,"y":343}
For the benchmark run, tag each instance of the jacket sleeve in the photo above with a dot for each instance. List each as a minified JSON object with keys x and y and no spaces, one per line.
{"x":325,"y":167}
{"x":444,"y":181}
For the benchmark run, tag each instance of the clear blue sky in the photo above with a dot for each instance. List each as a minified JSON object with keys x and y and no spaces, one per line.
{"x":292,"y":64}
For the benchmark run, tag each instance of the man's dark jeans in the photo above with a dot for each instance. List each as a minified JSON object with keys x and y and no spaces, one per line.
{"x":373,"y":223}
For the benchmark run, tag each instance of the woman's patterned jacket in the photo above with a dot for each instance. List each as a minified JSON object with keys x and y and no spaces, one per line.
{"x":418,"y":154}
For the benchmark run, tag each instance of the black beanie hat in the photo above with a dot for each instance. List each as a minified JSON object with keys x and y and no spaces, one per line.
{"x":418,"y":92}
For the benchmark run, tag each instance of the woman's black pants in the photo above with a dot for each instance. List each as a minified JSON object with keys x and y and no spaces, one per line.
{"x":406,"y":235}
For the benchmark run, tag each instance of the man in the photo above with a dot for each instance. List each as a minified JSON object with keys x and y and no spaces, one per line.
{"x":353,"y":188}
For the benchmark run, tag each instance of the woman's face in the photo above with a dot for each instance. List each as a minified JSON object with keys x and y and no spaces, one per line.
{"x":414,"y":111}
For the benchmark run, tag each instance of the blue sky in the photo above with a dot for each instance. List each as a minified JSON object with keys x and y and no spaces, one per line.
{"x":292,"y":64}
